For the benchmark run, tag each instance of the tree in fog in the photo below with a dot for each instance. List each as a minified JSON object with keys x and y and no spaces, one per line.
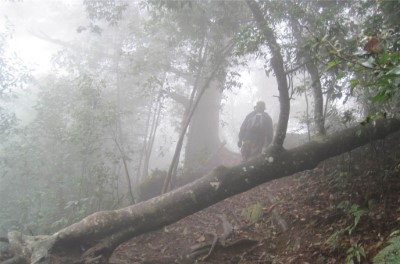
{"x":75,"y":153}
{"x":14,"y":76}
{"x":201,"y":33}
{"x":102,"y":232}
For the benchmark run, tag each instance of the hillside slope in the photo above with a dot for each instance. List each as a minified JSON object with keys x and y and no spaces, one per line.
{"x":347,"y":204}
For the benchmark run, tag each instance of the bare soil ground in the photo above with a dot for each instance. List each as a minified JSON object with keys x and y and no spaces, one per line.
{"x":290,"y":220}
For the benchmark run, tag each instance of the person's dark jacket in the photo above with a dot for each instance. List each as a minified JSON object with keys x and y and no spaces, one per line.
{"x":265,"y":138}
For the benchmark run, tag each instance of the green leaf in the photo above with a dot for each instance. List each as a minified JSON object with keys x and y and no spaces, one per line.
{"x":334,"y":238}
{"x":332,"y":64}
{"x":340,"y":76}
{"x":390,"y":254}
{"x":353,"y":84}
{"x":253,"y":213}
{"x":395,"y":70}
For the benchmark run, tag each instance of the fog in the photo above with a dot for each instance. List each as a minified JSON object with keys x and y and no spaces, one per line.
{"x":98,"y":96}
{"x":198,"y":120}
{"x":31,"y":21}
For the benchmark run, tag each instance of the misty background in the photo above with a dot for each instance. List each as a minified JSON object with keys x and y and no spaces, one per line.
{"x":96,"y":99}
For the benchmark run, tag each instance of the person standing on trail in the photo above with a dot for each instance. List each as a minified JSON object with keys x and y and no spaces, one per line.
{"x":256,"y":132}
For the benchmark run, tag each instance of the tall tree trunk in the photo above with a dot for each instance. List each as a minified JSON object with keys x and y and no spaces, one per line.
{"x":319,"y":119}
{"x":118,"y":137}
{"x":126,"y":170}
{"x":205,"y":86}
{"x":279,"y":70}
{"x":203,"y":136}
{"x":152,"y":122}
{"x":212,"y":68}
{"x":188,"y":105}
{"x":141,"y":172}
{"x":307,"y":114}
{"x":150,"y":135}
{"x":316,"y":87}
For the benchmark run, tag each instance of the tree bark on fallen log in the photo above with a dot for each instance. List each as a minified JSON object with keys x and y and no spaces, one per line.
{"x":97,"y":235}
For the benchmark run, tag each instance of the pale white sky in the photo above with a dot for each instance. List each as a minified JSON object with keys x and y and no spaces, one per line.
{"x":57,"y":19}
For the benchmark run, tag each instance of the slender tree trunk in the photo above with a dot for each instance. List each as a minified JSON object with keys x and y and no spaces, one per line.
{"x":153,"y":132}
{"x":307,"y":115}
{"x":152,"y":122}
{"x":319,"y":117}
{"x":213,"y":70}
{"x":317,"y":95}
{"x":142,"y":156}
{"x":184,"y":129}
{"x":279,"y":70}
{"x":145,"y":157}
{"x":126,"y":170}
{"x":155,"y":120}
{"x":202,"y":56}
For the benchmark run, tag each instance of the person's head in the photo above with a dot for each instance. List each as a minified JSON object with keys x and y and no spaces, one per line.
{"x":260,"y":106}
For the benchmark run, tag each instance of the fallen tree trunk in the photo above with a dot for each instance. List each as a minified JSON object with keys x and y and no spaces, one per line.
{"x":97,"y":235}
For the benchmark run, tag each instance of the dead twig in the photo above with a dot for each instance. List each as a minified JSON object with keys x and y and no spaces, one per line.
{"x":215,"y":240}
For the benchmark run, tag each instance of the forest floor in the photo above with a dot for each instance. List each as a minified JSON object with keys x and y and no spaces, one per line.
{"x":347,"y":205}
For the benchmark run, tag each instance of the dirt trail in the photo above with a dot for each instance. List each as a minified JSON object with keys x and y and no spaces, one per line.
{"x":288,"y":220}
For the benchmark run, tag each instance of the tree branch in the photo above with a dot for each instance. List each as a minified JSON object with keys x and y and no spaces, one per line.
{"x":178,"y":98}
{"x":295,"y":68}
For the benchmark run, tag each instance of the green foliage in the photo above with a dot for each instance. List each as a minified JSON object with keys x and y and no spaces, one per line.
{"x":355,"y":251}
{"x":13,"y":74}
{"x":253,"y":213}
{"x":355,"y":213}
{"x":387,"y":76}
{"x":61,"y":155}
{"x":391,"y":253}
{"x":378,"y":66}
{"x":333,"y":239}
{"x":360,"y":58}
{"x":249,"y":41}
{"x":332,"y":64}
{"x":13,"y":77}
{"x":339,"y":178}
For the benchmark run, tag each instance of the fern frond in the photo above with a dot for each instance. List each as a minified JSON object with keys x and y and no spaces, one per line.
{"x":389,"y":254}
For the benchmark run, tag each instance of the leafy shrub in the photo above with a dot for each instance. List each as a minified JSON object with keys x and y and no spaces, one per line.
{"x":355,"y":212}
{"x":253,"y":213}
{"x":355,"y":251}
{"x":391,"y":253}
